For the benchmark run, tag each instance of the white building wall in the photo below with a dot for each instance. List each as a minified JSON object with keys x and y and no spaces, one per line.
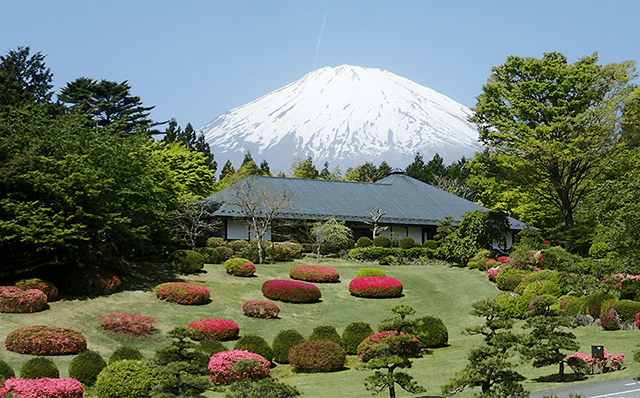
{"x":239,"y":229}
{"x":415,"y":233}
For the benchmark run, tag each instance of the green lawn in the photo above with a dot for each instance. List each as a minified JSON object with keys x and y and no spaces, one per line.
{"x":441,"y":291}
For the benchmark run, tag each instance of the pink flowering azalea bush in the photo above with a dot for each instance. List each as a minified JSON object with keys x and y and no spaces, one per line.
{"x":91,"y":282}
{"x":214,"y":329}
{"x":585,"y":364}
{"x":317,"y":356}
{"x":372,"y":345}
{"x":229,"y":366}
{"x":260,"y":309}
{"x":42,"y":388}
{"x":314,"y":273}
{"x":15,"y":300}
{"x":128,"y":325}
{"x":239,"y":267}
{"x":492,"y":273}
{"x":46,"y":287}
{"x":291,"y":291}
{"x":375,"y":287}
{"x":609,"y":321}
{"x":46,"y":340}
{"x":183,"y":293}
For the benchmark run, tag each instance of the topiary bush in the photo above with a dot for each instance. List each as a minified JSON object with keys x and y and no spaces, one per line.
{"x":609,"y":321}
{"x":126,"y":353}
{"x":430,"y":330}
{"x":126,"y":379}
{"x":592,"y":304}
{"x":42,"y":388}
{"x":325,"y":333}
{"x":284,"y":341}
{"x":38,"y":368}
{"x":15,"y":300}
{"x":211,"y":255}
{"x":45,"y":340}
{"x":86,"y":366}
{"x":382,"y":241}
{"x":6,"y":372}
{"x":627,"y":310}
{"x":291,"y":291}
{"x":406,"y":243}
{"x":370,"y":272}
{"x":215,"y":242}
{"x":364,"y":242}
{"x":317,"y":356}
{"x":430,"y":244}
{"x":314,"y":273}
{"x":255,"y":344}
{"x":90,"y":281}
{"x":509,"y":279}
{"x":183,"y":293}
{"x":186,"y":261}
{"x":46,"y":287}
{"x":570,"y":305}
{"x":128,"y":325}
{"x":375,"y":287}
{"x":283,"y":251}
{"x":210,"y":347}
{"x":260,"y":309}
{"x":354,"y":334}
{"x":217,"y":329}
{"x":239,"y":267}
{"x":229,"y":366}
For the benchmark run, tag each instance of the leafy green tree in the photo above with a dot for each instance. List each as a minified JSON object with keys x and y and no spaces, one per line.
{"x":304,"y":169}
{"x":24,"y":79}
{"x":330,"y":233}
{"x":227,"y":170}
{"x":174,"y":133}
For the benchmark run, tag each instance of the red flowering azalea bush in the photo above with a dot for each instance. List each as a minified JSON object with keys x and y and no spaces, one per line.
{"x":46,"y":287}
{"x":214,"y":329}
{"x":46,"y":340}
{"x":15,"y":300}
{"x":182,"y":293}
{"x":314,"y":273}
{"x":291,"y":291}
{"x":128,"y":325}
{"x":260,"y":309}
{"x":42,"y":388}
{"x":375,"y":287}
{"x":317,"y":356}
{"x":229,"y":366}
{"x":609,"y":321}
{"x":91,"y":282}
{"x":239,"y":267}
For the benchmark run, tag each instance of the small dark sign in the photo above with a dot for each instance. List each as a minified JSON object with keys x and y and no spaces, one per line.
{"x":597,"y":351}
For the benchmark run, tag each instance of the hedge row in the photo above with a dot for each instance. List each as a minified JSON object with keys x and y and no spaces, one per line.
{"x":374,"y":253}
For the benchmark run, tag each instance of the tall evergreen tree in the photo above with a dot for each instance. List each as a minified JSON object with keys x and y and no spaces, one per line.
{"x":24,"y":79}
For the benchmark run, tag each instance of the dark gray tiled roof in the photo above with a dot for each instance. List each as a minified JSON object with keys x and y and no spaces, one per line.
{"x":405,"y":199}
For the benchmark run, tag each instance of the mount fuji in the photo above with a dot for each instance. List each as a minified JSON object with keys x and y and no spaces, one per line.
{"x":346,"y":116}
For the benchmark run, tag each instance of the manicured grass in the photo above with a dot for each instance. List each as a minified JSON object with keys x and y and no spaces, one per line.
{"x":440,"y":291}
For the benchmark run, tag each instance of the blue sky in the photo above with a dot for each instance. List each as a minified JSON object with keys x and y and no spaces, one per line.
{"x":194,"y":60}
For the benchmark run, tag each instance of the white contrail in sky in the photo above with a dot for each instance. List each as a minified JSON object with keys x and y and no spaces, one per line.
{"x":315,"y":60}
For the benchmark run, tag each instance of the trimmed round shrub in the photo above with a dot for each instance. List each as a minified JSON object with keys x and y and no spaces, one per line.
{"x":183,"y":293}
{"x":66,"y":387}
{"x":364,"y":242}
{"x":210,"y":347}
{"x":239,"y":267}
{"x":86,"y":366}
{"x":215,"y":242}
{"x":430,"y":244}
{"x":255,"y":344}
{"x":90,"y":281}
{"x":317,"y":356}
{"x":325,"y":333}
{"x":627,"y":310}
{"x":570,"y":305}
{"x":260,"y":309}
{"x":238,"y":245}
{"x":229,"y":366}
{"x":609,"y":321}
{"x":406,"y":243}
{"x":216,"y":329}
{"x":126,"y":379}
{"x":509,"y":279}
{"x":370,"y":272}
{"x":314,"y":273}
{"x":375,"y":287}
{"x":45,"y":340}
{"x":46,"y":287}
{"x":38,"y":368}
{"x":284,"y":341}
{"x":6,"y":372}
{"x":128,"y":325}
{"x":15,"y":300}
{"x":283,"y":251}
{"x":431,"y":331}
{"x":382,"y":241}
{"x":354,"y":334}
{"x":126,"y":353}
{"x":186,"y":261}
{"x":592,"y":304}
{"x":210,"y":255}
{"x":291,"y":291}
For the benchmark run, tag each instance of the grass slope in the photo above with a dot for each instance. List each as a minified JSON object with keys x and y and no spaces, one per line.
{"x":440,"y":291}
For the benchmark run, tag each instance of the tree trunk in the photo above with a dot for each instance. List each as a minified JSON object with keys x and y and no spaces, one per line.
{"x":561,"y":372}
{"x":318,"y":252}
{"x":260,"y":251}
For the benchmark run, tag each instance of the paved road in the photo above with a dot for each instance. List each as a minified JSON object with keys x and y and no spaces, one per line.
{"x":623,"y":387}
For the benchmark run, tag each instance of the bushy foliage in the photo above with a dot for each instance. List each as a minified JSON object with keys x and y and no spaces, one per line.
{"x":42,"y":388}
{"x":183,"y":293}
{"x":407,"y":243}
{"x":509,"y":279}
{"x":430,"y":244}
{"x":215,"y":255}
{"x":430,"y":330}
{"x":86,"y":366}
{"x":239,"y":267}
{"x":375,"y":287}
{"x":126,"y":353}
{"x":283,"y":342}
{"x":238,"y":245}
{"x":370,"y":272}
{"x":314,"y":273}
{"x":374,"y":344}
{"x":592,"y":304}
{"x":354,"y":334}
{"x":364,"y":242}
{"x":263,"y":388}
{"x":570,"y":305}
{"x":128,"y":325}
{"x":291,"y":291}
{"x":217,"y":329}
{"x":283,"y":251}
{"x":46,"y":287}
{"x":317,"y":356}
{"x":126,"y":379}
{"x":609,"y":321}
{"x":513,"y":305}
{"x":325,"y":333}
{"x":15,"y":300}
{"x":373,"y":253}
{"x":557,"y":258}
{"x":45,"y":340}
{"x":382,"y":241}
{"x":260,"y":309}
{"x":186,"y":261}
{"x":255,"y":344}
{"x":39,"y":368}
{"x":6,"y":371}
{"x":627,"y":310}
{"x":229,"y":366}
{"x":91,"y":281}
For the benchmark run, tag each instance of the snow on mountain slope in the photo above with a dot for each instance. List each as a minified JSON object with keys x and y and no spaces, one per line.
{"x":345,"y":115}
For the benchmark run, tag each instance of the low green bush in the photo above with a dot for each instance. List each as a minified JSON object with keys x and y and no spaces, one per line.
{"x":557,"y":258}
{"x":126,"y":379}
{"x":513,"y":305}
{"x":570,"y":305}
{"x":210,"y":347}
{"x":407,"y":243}
{"x":262,"y":388}
{"x":6,"y":371}
{"x":382,"y":241}
{"x":354,"y":334}
{"x":126,"y":353}
{"x":627,"y":310}
{"x":86,"y":366}
{"x":90,"y":281}
{"x":373,"y":253}
{"x":388,"y":260}
{"x":370,"y":272}
{"x":509,"y":279}
{"x":430,"y":330}
{"x":239,"y":267}
{"x":215,"y":242}
{"x":46,"y":287}
{"x":212,"y":255}
{"x":317,"y":356}
{"x":283,"y":342}
{"x":592,"y":304}
{"x":45,"y":340}
{"x":364,"y":242}
{"x":325,"y":333}
{"x":255,"y":344}
{"x":238,"y":245}
{"x":39,"y":368}
{"x":283,"y":251}
{"x":430,"y":244}
{"x":186,"y":261}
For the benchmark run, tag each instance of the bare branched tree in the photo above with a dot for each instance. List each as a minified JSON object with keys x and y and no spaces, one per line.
{"x":375,"y":221}
{"x":191,"y":220}
{"x":330,"y":232}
